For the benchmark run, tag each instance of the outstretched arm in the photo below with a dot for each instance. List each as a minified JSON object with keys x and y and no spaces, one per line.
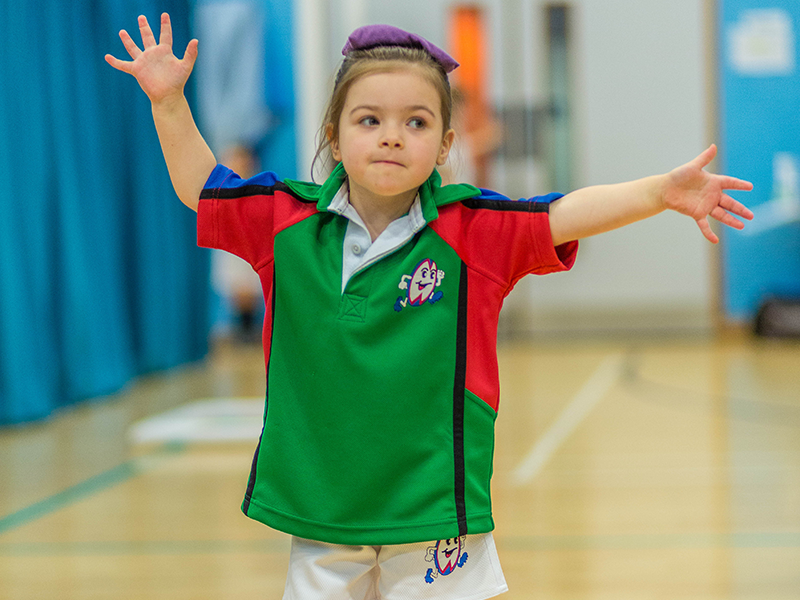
{"x":689,"y":190}
{"x":162,"y":76}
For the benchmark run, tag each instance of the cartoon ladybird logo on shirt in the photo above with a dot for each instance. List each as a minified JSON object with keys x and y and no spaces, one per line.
{"x":446,"y":556}
{"x":420,"y":286}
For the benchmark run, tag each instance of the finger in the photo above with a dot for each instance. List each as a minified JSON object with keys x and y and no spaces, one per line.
{"x":119,"y":65}
{"x":726,"y":218}
{"x":190,"y":56}
{"x":705,"y":228}
{"x":733,"y":183}
{"x":148,"y":39}
{"x":129,"y":44}
{"x":735,"y":207}
{"x":166,"y":31}
{"x":705,"y":157}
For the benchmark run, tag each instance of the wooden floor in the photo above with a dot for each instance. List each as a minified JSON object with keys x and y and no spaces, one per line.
{"x":625,"y":469}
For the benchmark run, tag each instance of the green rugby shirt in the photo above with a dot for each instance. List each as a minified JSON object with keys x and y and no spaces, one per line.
{"x":381,"y":399}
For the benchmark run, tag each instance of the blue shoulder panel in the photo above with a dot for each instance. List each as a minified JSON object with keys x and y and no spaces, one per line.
{"x":490,"y":195}
{"x":223,"y":177}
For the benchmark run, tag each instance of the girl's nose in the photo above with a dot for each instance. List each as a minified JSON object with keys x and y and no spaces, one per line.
{"x":391,"y":138}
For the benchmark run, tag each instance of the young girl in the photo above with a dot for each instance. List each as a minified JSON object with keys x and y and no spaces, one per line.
{"x":383,"y":290}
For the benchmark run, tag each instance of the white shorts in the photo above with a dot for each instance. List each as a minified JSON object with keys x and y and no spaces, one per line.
{"x":465,"y":568}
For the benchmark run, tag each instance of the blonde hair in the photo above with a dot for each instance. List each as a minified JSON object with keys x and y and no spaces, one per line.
{"x":380,"y":59}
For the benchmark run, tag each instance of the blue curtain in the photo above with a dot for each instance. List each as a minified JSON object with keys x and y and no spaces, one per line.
{"x":100,"y":276}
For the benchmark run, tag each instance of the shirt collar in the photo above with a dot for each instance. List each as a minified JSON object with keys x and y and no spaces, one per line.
{"x":341,"y":203}
{"x":431,"y":193}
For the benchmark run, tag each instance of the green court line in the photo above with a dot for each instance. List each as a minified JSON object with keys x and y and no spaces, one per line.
{"x":132,"y":468}
{"x":80,"y":491}
{"x":71,"y":495}
{"x":145,"y":548}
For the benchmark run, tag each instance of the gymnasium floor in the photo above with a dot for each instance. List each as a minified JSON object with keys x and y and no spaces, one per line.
{"x":625,"y":469}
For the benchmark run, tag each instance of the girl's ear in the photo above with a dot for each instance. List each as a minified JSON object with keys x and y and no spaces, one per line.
{"x":447,"y":144}
{"x":334,"y":143}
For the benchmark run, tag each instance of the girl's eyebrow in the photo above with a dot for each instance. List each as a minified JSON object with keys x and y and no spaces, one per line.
{"x":364,"y":107}
{"x":421,"y":107}
{"x":412,"y":108}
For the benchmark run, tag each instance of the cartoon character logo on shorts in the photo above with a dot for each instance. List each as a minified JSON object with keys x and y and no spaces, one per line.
{"x":446,"y":556}
{"x":420,"y":285}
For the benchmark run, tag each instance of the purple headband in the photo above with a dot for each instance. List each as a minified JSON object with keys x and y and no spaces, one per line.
{"x":371,"y":36}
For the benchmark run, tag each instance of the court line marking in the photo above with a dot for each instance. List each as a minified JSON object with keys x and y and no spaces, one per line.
{"x":786,"y":540}
{"x":80,"y":491}
{"x":71,"y":495}
{"x":146,"y":547}
{"x":592,"y":392}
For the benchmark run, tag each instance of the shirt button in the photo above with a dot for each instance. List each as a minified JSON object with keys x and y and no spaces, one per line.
{"x":356,"y":249}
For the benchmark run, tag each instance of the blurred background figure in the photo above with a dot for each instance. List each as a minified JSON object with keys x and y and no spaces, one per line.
{"x":231,"y":77}
{"x":245,"y":103}
{"x":237,"y":285}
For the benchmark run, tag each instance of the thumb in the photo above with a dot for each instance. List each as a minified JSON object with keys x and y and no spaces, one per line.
{"x":705,"y":157}
{"x":190,"y":56}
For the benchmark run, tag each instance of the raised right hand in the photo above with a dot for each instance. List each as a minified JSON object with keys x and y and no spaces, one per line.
{"x":161,"y":75}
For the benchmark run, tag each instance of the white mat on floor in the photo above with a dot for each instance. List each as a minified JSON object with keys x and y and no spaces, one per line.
{"x":209,"y":420}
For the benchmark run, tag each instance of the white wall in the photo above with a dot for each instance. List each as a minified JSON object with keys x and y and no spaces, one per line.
{"x":640,"y":100}
{"x":640,"y":107}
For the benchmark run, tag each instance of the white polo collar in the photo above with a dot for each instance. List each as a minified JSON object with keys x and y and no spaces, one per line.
{"x":359,"y":251}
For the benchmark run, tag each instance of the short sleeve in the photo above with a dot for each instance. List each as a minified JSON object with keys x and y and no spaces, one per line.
{"x":505,"y":239}
{"x":237,"y":215}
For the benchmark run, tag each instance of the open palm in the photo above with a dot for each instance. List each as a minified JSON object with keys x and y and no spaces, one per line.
{"x":159,"y":72}
{"x":694,"y":192}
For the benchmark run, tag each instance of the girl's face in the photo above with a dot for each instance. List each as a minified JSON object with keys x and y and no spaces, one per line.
{"x":391,"y":135}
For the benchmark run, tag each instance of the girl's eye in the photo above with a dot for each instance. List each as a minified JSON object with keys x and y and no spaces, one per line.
{"x":417,"y":123}
{"x":369,"y":121}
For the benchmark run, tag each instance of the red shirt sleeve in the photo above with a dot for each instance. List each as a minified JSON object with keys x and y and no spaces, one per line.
{"x":237,"y":215}
{"x":242,"y":216}
{"x":505,"y":240}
